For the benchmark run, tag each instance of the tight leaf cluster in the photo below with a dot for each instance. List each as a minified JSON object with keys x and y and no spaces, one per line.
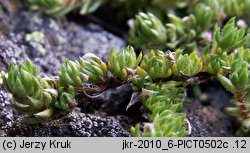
{"x":63,"y":7}
{"x":158,"y":82}
{"x":148,"y":31}
{"x":195,"y":29}
{"x":50,"y":97}
{"x":126,"y":7}
{"x":165,"y":107}
{"x":36,"y":96}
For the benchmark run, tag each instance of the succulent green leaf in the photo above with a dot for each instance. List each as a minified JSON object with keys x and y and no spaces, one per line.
{"x":226,"y":83}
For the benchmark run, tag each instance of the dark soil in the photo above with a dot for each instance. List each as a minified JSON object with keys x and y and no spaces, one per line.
{"x":103,"y":116}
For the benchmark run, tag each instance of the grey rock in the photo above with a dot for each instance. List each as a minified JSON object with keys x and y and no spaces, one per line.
{"x":112,"y":101}
{"x":7,"y":114}
{"x":62,"y":39}
{"x":74,"y":124}
{"x":207,"y":121}
{"x":10,"y":51}
{"x":116,"y":100}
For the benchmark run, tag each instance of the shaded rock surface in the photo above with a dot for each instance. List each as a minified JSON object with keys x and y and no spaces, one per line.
{"x":112,"y":101}
{"x":74,"y":124}
{"x":7,"y":114}
{"x":209,"y":120}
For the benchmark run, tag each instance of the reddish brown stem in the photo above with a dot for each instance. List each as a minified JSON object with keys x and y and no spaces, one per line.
{"x":243,"y":110}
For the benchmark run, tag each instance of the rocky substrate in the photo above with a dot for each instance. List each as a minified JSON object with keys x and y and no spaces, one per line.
{"x":103,"y":116}
{"x":74,"y":124}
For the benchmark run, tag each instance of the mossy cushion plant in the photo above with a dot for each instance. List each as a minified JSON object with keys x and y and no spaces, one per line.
{"x":160,"y":24}
{"x":62,"y":7}
{"x":192,"y":30}
{"x":158,"y":79}
{"x":209,"y":41}
{"x":128,"y":7}
{"x":36,"y":96}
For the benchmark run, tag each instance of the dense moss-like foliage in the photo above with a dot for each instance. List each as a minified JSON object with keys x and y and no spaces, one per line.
{"x":207,"y":39}
{"x":158,"y":81}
